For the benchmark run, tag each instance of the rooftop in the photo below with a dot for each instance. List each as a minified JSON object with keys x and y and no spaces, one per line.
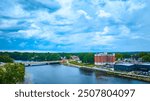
{"x":130,"y":64}
{"x":125,"y":64}
{"x":145,"y":64}
{"x":103,"y":54}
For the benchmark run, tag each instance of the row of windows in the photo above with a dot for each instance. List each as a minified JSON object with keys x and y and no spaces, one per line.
{"x":104,"y":58}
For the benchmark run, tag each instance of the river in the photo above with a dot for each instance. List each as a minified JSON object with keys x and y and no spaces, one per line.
{"x":61,"y":74}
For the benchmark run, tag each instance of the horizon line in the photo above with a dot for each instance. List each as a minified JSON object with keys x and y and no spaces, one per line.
{"x":41,"y":51}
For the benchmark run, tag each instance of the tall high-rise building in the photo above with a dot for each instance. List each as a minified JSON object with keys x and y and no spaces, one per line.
{"x":104,"y":58}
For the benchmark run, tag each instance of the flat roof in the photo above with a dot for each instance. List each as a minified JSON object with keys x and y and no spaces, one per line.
{"x":125,"y":64}
{"x":130,"y":64}
{"x":145,"y":64}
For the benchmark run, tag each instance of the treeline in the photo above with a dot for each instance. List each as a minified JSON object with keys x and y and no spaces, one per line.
{"x":144,"y":56}
{"x":84,"y":57}
{"x":6,"y":58}
{"x":12,"y":73}
{"x":32,"y":56}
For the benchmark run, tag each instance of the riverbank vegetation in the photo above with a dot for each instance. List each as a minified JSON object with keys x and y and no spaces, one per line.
{"x":81,"y":64}
{"x":32,"y":56}
{"x":84,"y":57}
{"x":143,"y":56}
{"x":12,"y":73}
{"x":6,"y":59}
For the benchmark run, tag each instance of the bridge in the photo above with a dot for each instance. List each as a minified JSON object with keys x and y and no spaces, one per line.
{"x":40,"y":63}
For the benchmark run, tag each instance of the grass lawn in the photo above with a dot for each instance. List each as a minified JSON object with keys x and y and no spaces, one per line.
{"x":81,"y":64}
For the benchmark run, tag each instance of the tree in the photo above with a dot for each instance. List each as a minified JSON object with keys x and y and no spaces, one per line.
{"x":12,"y":73}
{"x":55,"y":56}
{"x":142,"y":54}
{"x":5,"y":58}
{"x":87,"y":57}
{"x":119,"y":56}
{"x":68,"y":56}
{"x":146,"y":58}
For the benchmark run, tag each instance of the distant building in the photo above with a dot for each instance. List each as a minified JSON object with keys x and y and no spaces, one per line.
{"x":124,"y":67}
{"x":63,"y":61}
{"x":75,"y":58}
{"x":104,"y":58}
{"x":132,"y":67}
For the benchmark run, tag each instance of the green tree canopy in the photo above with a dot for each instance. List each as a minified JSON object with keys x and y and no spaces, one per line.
{"x":87,"y":57}
{"x":5,"y":58}
{"x":146,"y":58}
{"x":118,"y":56}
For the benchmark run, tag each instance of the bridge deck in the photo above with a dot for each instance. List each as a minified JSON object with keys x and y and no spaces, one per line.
{"x":40,"y":63}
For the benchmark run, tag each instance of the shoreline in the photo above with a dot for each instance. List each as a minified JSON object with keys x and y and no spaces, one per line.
{"x":114,"y":73}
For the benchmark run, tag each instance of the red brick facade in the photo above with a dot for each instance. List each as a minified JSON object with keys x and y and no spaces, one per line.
{"x":104,"y":58}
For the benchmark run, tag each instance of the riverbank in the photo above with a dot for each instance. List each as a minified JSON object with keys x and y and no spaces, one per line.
{"x":111,"y":72}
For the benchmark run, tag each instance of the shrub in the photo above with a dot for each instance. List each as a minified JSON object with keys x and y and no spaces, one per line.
{"x":12,"y":73}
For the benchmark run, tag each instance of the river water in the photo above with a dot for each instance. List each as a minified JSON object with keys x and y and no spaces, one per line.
{"x":60,"y":74}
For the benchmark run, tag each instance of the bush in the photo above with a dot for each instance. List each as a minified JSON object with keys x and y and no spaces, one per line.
{"x":12,"y":73}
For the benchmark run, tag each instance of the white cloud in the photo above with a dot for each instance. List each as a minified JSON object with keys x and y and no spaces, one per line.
{"x":14,"y":10}
{"x":79,"y":24}
{"x":135,"y":6}
{"x":125,"y":31}
{"x":102,"y":40}
{"x":82,"y":12}
{"x":19,"y":12}
{"x":103,"y":13}
{"x":120,"y":11}
{"x":135,"y":37}
{"x":105,"y":31}
{"x":66,"y":9}
{"x":28,"y":33}
{"x":6,"y":23}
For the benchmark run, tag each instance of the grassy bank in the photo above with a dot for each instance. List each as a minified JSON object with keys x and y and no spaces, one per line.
{"x":81,"y":64}
{"x":12,"y":73}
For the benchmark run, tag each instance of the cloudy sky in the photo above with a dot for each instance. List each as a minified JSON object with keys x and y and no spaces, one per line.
{"x":75,"y":25}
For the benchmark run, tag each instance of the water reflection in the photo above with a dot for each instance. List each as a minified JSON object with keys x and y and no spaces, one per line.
{"x":86,"y":71}
{"x":60,"y":74}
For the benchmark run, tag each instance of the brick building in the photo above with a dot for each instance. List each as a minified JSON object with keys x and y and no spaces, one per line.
{"x":104,"y":58}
